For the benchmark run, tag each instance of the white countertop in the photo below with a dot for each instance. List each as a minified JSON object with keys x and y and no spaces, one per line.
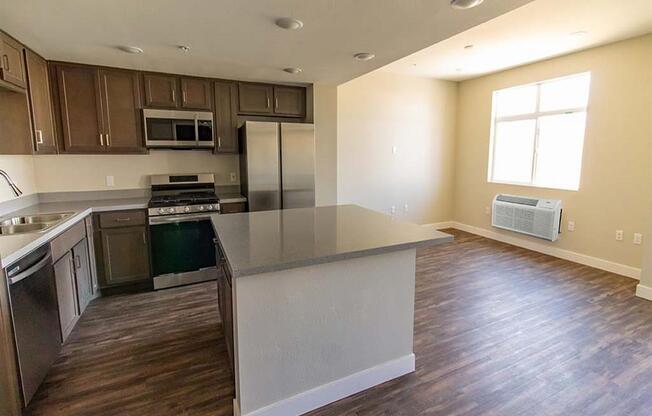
{"x":13,"y":247}
{"x":259,"y":242}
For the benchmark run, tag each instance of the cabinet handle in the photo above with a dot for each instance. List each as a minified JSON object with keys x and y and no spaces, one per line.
{"x":219,"y":141}
{"x":174,"y":97}
{"x":39,"y":137}
{"x":108,"y":140}
{"x":183,"y":96}
{"x":267,"y":102}
{"x":101,"y":139}
{"x":123,"y":219}
{"x":144,"y":239}
{"x":275,"y":103}
{"x":5,"y":62}
{"x":77,"y":262}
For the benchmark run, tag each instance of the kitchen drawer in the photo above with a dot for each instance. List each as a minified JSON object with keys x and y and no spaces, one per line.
{"x":232,"y":207}
{"x":66,"y":241}
{"x":122,"y":219}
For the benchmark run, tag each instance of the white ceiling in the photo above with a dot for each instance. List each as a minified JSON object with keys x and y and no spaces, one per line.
{"x":536,"y":31}
{"x":237,"y":38}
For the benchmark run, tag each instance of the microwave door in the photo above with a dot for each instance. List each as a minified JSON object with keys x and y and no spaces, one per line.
{"x":185,"y":133}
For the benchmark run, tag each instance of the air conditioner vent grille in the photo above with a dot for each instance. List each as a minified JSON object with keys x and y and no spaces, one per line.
{"x":536,"y":217}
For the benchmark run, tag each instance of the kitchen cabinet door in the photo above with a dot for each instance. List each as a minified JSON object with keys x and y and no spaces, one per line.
{"x":11,"y":65}
{"x":64,"y":275}
{"x":225,"y":117}
{"x":125,"y":255}
{"x":83,"y":276}
{"x":227,"y":317}
{"x":196,"y":94}
{"x":161,"y":91}
{"x":290,"y":101}
{"x":120,"y":92}
{"x":80,"y":108}
{"x":255,"y":98}
{"x":38,"y":81}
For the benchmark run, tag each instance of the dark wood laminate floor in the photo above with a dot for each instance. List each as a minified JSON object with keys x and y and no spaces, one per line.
{"x":499,"y":330}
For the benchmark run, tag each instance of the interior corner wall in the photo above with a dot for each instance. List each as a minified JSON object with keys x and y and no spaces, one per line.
{"x":325,"y":119}
{"x":395,"y":145}
{"x":616,"y":183}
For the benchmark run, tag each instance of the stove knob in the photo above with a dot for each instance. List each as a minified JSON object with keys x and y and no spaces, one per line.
{"x":171,"y":210}
{"x":187,"y":209}
{"x":201,"y":207}
{"x":161,"y":210}
{"x":210,"y":207}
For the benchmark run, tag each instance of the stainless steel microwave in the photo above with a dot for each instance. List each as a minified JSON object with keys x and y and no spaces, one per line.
{"x":178,"y":129}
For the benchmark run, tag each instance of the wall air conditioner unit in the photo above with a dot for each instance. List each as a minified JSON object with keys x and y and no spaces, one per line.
{"x":532,"y":216}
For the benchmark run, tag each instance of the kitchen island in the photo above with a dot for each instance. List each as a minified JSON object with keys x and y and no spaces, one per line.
{"x":319,"y":303}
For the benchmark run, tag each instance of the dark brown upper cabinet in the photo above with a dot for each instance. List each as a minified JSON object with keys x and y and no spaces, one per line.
{"x":122,"y":126}
{"x":99,"y":110}
{"x":226,"y":133}
{"x":196,"y":94}
{"x":81,"y":109}
{"x":38,"y":81}
{"x":161,"y":91}
{"x":290,"y":101}
{"x":12,"y":68}
{"x":255,"y":98}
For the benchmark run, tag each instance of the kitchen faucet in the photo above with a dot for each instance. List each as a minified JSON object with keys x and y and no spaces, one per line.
{"x":11,"y":183}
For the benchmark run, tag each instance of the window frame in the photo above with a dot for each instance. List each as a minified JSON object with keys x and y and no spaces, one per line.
{"x":536,"y":115}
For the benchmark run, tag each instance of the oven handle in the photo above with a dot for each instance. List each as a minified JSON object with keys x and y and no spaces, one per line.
{"x":180,"y":218}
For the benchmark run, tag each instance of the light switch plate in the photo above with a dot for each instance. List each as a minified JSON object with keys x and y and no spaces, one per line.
{"x":233,"y":177}
{"x":571,"y":225}
{"x":110,"y":181}
{"x":620,"y":235}
{"x":638,"y":238}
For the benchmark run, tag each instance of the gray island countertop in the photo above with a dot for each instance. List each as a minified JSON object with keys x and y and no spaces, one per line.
{"x":267,"y":241}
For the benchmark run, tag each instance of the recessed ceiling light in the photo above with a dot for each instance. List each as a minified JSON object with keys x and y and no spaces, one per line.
{"x":364,"y":56}
{"x":130,"y":49}
{"x":465,"y":4}
{"x":293,"y":71}
{"x":289,"y":23}
{"x":579,"y":34}
{"x":184,"y":48}
{"x":468,"y":46}
{"x":458,"y":69}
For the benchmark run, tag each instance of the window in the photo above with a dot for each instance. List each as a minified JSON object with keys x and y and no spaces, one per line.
{"x":537,"y":133}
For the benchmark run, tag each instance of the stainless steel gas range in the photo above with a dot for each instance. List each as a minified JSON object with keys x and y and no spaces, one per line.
{"x":181,"y":233}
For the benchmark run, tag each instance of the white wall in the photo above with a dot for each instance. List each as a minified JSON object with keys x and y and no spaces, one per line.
{"x":325,"y":119}
{"x":616,"y":186}
{"x":56,"y":173}
{"x":417,"y":115}
{"x":21,"y":169}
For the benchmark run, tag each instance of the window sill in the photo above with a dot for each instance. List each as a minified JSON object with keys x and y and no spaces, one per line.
{"x":530,"y":185}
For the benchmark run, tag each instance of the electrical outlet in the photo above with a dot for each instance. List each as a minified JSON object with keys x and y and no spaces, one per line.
{"x":405,"y":207}
{"x":110,"y":181}
{"x":392,"y":210}
{"x":620,"y":235}
{"x":487,"y":210}
{"x":233,"y":177}
{"x":571,"y":225}
{"x":638,"y":238}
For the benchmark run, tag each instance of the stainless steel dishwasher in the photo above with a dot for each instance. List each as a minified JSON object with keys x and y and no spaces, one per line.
{"x":35,"y":314}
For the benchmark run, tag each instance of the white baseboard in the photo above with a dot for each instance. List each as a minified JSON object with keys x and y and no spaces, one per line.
{"x":610,"y":266}
{"x":644,"y":292}
{"x":440,"y":225}
{"x":338,"y":389}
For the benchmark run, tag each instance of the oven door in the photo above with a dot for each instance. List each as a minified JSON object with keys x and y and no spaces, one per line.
{"x":182,"y":250}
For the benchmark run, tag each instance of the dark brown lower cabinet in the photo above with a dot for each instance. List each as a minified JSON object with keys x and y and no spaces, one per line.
{"x":125,"y":256}
{"x":64,"y":274}
{"x":83,"y":276}
{"x":225,"y":301}
{"x":232,"y":207}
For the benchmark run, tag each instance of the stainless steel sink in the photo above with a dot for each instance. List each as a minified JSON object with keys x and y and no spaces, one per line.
{"x":31,"y":223}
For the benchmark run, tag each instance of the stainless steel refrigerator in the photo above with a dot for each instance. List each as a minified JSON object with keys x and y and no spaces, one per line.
{"x":277,"y":165}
